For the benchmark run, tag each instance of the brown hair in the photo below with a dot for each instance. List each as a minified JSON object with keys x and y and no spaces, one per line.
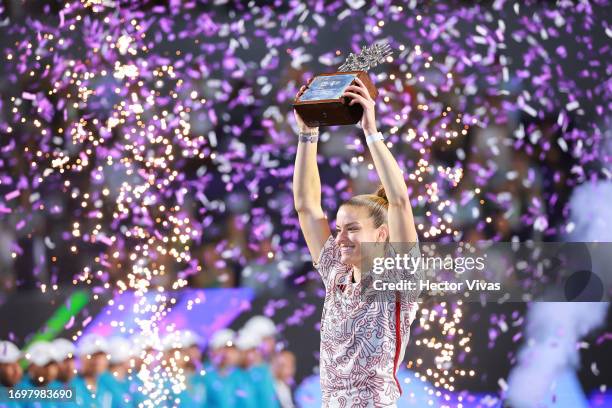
{"x":376,"y":204}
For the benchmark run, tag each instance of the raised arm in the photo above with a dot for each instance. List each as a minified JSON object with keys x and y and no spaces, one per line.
{"x":401,"y":220}
{"x":307,"y":189}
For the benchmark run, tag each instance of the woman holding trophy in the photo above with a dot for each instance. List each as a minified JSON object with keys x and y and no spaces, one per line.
{"x":362,"y":343}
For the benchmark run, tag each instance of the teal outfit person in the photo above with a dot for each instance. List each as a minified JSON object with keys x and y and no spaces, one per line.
{"x":119,"y":353}
{"x":261,"y":377}
{"x":196,"y":390}
{"x":8,"y":404}
{"x":58,"y":385}
{"x":63,"y":349}
{"x":135,"y":389}
{"x":230,"y":388}
{"x":40,"y":356}
{"x":119,"y":390}
{"x":308,"y":393}
{"x":101,"y":398}
{"x":4,"y":392}
{"x":27,"y":384}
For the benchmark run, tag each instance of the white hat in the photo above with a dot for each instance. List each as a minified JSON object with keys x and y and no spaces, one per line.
{"x":261,"y":325}
{"x":9,"y":353}
{"x":63,"y":349}
{"x":247,"y":339}
{"x":92,"y":344}
{"x":189,"y":338}
{"x":119,"y":350}
{"x":172,"y":341}
{"x":222,"y":338}
{"x":40,"y":353}
{"x":140,"y":342}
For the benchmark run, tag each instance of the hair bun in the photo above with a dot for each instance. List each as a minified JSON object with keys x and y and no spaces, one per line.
{"x":380,"y":192}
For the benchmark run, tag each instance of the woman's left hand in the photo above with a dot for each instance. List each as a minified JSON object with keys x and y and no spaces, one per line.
{"x":359,"y":94}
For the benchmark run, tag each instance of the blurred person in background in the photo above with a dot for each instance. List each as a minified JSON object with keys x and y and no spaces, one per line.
{"x":175,"y":355}
{"x":65,"y":353}
{"x":173,"y":350}
{"x":10,"y":370}
{"x":283,"y":368}
{"x":227,"y":385}
{"x":256,"y":369}
{"x":93,"y":362}
{"x":264,"y":328}
{"x":142,"y":346}
{"x":191,"y":349}
{"x":42,"y":372}
{"x":42,"y":365}
{"x":196,"y":386}
{"x":308,"y":392}
{"x":115,"y":379}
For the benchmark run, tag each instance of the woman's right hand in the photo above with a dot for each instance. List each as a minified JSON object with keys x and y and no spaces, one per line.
{"x":302,"y":127}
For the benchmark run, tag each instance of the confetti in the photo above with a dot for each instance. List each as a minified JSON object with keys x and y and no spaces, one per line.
{"x":132,"y":126}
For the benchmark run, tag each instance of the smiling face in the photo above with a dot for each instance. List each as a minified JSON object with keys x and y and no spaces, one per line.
{"x":354,"y":226}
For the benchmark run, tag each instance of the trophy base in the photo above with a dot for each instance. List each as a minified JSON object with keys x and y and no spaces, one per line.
{"x":322,"y":104}
{"x":329,"y":113}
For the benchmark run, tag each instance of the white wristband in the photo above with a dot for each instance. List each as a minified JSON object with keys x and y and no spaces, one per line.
{"x":374,"y":137}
